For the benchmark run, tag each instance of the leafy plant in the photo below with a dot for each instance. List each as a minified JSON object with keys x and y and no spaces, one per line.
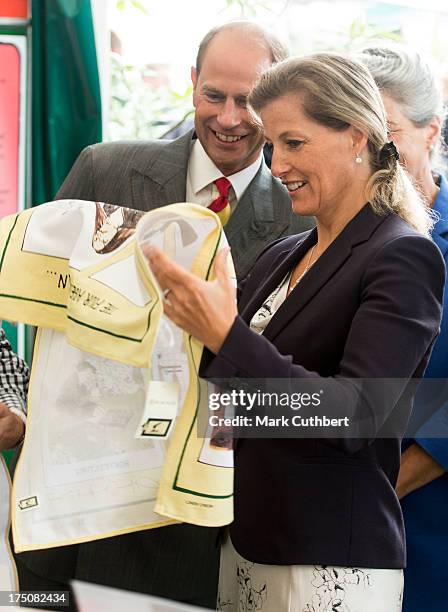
{"x":123,"y":4}
{"x":250,"y":8}
{"x":359,"y":34}
{"x":138,"y":109}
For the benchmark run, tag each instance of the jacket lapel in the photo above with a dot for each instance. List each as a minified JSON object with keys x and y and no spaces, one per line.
{"x":440,"y":231}
{"x":253,"y":224}
{"x":358,"y":230}
{"x":317,"y":276}
{"x":283,"y":263}
{"x":440,"y":237}
{"x":164,"y":180}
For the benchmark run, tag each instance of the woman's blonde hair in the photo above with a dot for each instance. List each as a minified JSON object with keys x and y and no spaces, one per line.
{"x":339,"y":92}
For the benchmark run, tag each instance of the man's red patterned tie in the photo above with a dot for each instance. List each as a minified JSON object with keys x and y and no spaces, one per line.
{"x":221,"y":206}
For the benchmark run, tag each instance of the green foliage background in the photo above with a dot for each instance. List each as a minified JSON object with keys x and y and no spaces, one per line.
{"x":139,"y":111}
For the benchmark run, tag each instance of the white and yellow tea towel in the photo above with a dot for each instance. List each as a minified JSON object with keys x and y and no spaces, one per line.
{"x":108,"y":364}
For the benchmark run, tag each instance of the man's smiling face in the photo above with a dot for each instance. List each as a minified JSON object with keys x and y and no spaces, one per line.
{"x":232,"y":64}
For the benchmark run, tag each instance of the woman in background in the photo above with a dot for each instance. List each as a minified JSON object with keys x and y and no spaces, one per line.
{"x":412,"y":97}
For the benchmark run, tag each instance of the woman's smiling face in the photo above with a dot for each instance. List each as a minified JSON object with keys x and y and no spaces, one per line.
{"x":315,"y":163}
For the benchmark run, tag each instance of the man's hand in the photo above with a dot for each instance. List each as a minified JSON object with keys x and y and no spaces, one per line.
{"x":417,"y":469}
{"x":11,"y":428}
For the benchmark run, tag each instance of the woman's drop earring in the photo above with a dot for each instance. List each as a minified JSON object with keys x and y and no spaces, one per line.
{"x":358,"y":159}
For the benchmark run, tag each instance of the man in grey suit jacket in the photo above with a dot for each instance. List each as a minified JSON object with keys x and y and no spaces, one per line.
{"x":181,"y":562}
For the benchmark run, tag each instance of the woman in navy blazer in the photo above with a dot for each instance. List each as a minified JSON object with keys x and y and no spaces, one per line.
{"x":318,"y":525}
{"x":414,"y":104}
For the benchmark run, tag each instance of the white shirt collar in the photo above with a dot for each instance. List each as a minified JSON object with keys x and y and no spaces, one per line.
{"x":202,"y":171}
